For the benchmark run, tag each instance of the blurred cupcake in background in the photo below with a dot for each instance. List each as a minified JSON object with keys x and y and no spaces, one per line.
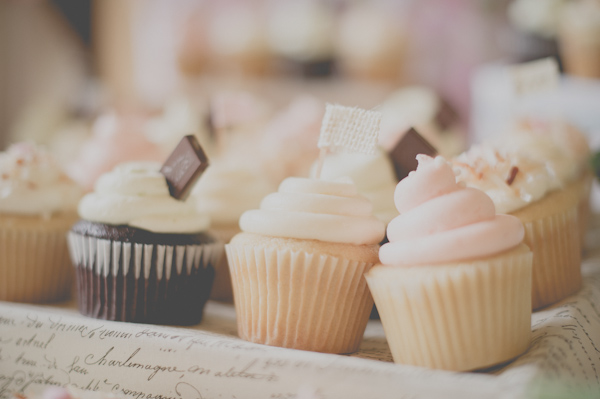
{"x":237,"y":39}
{"x":301,"y":33}
{"x":116,"y":137}
{"x":178,"y":118}
{"x":579,"y":38}
{"x":288,"y":142}
{"x":420,"y":107}
{"x":38,"y":205}
{"x":535,"y":26}
{"x":236,"y":119}
{"x":232,"y":185}
{"x":370,"y":42}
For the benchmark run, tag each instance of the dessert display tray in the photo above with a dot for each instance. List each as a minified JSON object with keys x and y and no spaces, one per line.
{"x":54,"y":345}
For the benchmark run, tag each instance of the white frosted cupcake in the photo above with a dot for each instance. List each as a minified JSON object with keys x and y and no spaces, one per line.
{"x":297,"y":267}
{"x":37,"y":207}
{"x":565,"y":152}
{"x":226,"y":190}
{"x":528,"y":189}
{"x":453,"y":288}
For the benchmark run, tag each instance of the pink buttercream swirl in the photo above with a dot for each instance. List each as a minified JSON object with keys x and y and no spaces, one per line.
{"x":442,"y":221}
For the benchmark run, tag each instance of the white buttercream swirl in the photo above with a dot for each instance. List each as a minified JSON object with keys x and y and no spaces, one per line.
{"x":31,"y":183}
{"x":136,"y":194}
{"x":373,"y":175}
{"x":330,"y":211}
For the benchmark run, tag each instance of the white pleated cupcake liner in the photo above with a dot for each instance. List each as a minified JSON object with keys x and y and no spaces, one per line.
{"x":34,"y":265}
{"x":143,"y":282}
{"x":299,"y":300}
{"x":456,"y":317}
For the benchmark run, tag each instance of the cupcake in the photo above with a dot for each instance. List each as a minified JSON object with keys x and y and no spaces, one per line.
{"x":297,"y":267}
{"x":301,"y":34}
{"x":115,"y":138}
{"x":227,"y":189}
{"x":527,"y":188}
{"x":579,"y":38}
{"x":565,"y":152}
{"x":371,"y":43}
{"x":140,"y":254}
{"x":38,"y":205}
{"x":453,"y":288}
{"x":237,"y":39}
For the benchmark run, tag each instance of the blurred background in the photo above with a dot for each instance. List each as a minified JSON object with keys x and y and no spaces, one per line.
{"x":71,"y":70}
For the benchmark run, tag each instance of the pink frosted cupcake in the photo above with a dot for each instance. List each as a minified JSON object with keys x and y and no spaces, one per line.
{"x":453,"y":288}
{"x":115,"y":139}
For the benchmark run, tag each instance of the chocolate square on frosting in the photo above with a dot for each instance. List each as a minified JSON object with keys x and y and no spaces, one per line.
{"x":404,"y":154}
{"x":184,"y":166}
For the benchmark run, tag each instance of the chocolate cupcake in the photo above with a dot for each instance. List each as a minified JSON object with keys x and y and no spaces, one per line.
{"x":140,"y":254}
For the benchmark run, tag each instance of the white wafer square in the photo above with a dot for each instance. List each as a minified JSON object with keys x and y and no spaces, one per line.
{"x":349,"y":129}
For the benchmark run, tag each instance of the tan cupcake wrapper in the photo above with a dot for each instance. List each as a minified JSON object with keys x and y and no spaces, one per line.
{"x":584,"y":185}
{"x":459,"y":317}
{"x":552,"y":232}
{"x":34,"y":259}
{"x":299,"y":300}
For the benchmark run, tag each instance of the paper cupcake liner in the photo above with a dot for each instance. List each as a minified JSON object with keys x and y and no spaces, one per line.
{"x":584,"y":186}
{"x":299,"y":300}
{"x":144,"y":283}
{"x":34,"y":264}
{"x":222,"y":289}
{"x":458,"y":317}
{"x":552,"y":233}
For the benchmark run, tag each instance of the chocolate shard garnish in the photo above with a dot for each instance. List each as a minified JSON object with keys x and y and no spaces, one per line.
{"x":404,"y":154}
{"x":446,"y":115}
{"x":184,"y":166}
{"x":512,"y":175}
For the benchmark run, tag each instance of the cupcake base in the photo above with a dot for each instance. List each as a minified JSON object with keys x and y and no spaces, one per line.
{"x":301,"y":294}
{"x":34,"y":259}
{"x":460,"y":316}
{"x":552,"y":232}
{"x":129,"y":274}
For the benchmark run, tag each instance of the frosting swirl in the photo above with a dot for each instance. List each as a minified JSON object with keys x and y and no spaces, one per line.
{"x":136,"y":194}
{"x":323,"y":210}
{"x":512,"y":180}
{"x":442,"y":221}
{"x":561,"y":147}
{"x":373,"y":175}
{"x":31,"y":183}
